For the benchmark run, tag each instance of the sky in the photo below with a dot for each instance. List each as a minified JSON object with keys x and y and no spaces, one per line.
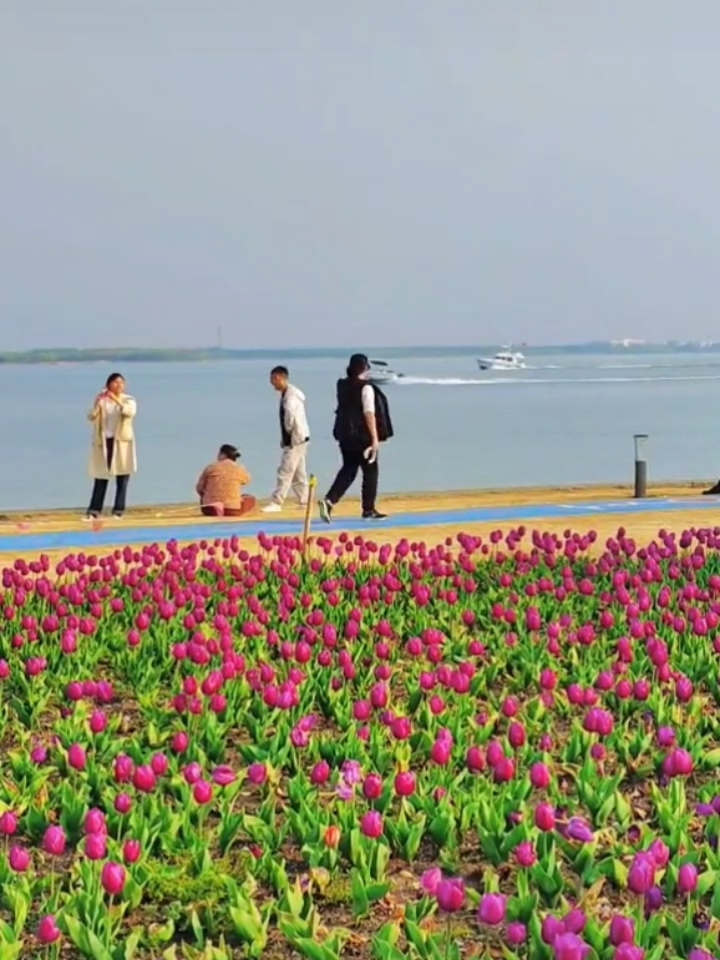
{"x":389,"y":172}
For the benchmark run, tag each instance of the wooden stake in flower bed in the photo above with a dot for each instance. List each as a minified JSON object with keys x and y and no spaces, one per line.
{"x":308,"y":514}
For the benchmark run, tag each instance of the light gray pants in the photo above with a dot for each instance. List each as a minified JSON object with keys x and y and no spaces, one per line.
{"x":292,"y":474}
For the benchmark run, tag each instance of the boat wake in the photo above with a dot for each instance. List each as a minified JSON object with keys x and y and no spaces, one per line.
{"x":517,"y":380}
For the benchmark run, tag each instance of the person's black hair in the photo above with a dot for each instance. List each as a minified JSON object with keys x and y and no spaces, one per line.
{"x":358,"y":364}
{"x":280,"y":372}
{"x":229,"y":451}
{"x":113,"y":376}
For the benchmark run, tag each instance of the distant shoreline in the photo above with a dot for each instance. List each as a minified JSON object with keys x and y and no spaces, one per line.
{"x":117,"y":355}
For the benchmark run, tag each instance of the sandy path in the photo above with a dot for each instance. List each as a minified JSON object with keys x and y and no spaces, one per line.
{"x":53,"y":521}
{"x":642,"y":527}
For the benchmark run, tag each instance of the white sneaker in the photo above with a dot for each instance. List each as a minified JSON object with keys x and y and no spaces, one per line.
{"x":272,"y":508}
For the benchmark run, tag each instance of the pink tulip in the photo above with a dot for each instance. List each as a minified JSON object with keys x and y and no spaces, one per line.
{"x":54,"y":841}
{"x":95,"y":846}
{"x":450,"y":895}
{"x":430,"y":880}
{"x":131,"y":851}
{"x":405,"y":784}
{"x":19,"y":859}
{"x":8,"y":824}
{"x":492,"y":909}
{"x":95,"y":821}
{"x":202,"y":792}
{"x":76,"y":757}
{"x":371,"y":824}
{"x":112,"y":878}
{"x":223,"y":776}
{"x":48,"y":931}
{"x":144,"y":779}
{"x":257,"y":774}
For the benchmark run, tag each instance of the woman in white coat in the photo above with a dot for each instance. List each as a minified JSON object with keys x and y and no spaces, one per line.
{"x":113,"y":451}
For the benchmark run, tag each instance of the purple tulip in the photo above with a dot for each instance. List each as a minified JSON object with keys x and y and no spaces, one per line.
{"x":622,"y":930}
{"x":641,"y":875}
{"x":653,"y":900}
{"x":516,"y":934}
{"x":578,"y":830}
{"x":551,"y":929}
{"x":574,"y":921}
{"x":568,"y":946}
{"x":629,"y":951}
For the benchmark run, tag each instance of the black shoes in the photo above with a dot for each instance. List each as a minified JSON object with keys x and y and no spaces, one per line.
{"x":326,"y":509}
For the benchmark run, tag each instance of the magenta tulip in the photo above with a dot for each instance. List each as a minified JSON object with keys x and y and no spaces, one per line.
{"x":492,"y":909}
{"x":48,"y":931}
{"x":112,"y":878}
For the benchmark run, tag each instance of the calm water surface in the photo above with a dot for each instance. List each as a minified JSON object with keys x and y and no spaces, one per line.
{"x":563,"y":420}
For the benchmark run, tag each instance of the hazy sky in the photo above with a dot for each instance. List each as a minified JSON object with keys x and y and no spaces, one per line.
{"x":378,"y":171}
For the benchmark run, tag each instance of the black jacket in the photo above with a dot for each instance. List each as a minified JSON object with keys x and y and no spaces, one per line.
{"x":351,"y":429}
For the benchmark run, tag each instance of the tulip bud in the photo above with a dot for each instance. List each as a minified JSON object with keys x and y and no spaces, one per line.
{"x":19,"y":859}
{"x":544,"y":817}
{"x":622,"y":930}
{"x":8,"y":824}
{"x":641,"y":875}
{"x":202,"y":792}
{"x":123,"y":803}
{"x":76,"y":757}
{"x":371,"y":824}
{"x":95,"y":846}
{"x":144,"y":779}
{"x":492,"y":909}
{"x":54,"y":841}
{"x":450,"y":895}
{"x":687,"y":878}
{"x":332,"y":837}
{"x":131,"y":851}
{"x":113,"y":878}
{"x":539,"y":776}
{"x":405,"y":783}
{"x":48,"y":931}
{"x":257,"y":774}
{"x":372,"y":787}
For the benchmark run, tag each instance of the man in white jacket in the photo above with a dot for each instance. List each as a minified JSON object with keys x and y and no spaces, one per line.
{"x":294,"y":440}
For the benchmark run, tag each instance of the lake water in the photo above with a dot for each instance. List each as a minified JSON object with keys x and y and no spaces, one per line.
{"x":566,"y":419}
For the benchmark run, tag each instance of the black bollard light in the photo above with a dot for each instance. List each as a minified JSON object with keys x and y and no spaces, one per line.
{"x":640,"y":440}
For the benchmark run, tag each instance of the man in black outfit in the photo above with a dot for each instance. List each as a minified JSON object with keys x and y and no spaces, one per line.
{"x":362,"y":423}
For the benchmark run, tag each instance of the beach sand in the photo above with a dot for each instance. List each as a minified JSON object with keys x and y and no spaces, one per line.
{"x":642,"y":527}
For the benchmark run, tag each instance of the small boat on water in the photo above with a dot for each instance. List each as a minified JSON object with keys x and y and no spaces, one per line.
{"x":506,"y":359}
{"x":381,"y":373}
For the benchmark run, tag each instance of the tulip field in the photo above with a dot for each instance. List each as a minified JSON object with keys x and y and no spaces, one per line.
{"x":502,"y":748}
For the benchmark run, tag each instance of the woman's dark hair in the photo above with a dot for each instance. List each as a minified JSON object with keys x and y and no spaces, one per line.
{"x":112,"y":378}
{"x":230,"y":452}
{"x":358,"y":364}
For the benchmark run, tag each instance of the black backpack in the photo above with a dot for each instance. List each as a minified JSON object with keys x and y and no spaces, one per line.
{"x":383,"y":421}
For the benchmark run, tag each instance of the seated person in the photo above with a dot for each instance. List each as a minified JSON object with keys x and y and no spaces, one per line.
{"x":220,"y":486}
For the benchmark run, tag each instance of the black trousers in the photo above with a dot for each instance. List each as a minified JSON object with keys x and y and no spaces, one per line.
{"x":99,"y":491}
{"x":352,"y":461}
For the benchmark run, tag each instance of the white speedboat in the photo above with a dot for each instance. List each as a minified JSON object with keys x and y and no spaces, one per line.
{"x":381,"y":373}
{"x":503,"y":360}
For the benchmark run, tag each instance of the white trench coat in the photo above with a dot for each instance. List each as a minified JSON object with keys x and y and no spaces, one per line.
{"x":124,"y":458}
